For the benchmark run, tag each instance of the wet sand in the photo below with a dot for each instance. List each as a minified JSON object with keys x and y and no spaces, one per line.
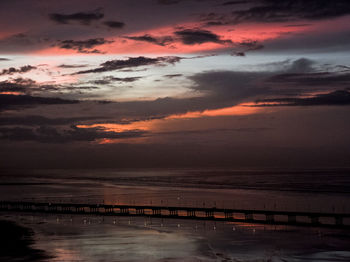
{"x":94,"y":238}
{"x":16,"y":243}
{"x":67,"y":238}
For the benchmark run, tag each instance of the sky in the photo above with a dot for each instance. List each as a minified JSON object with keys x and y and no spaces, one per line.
{"x":174,"y":83}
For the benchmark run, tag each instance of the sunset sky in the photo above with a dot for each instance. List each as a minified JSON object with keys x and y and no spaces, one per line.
{"x":174,"y":83}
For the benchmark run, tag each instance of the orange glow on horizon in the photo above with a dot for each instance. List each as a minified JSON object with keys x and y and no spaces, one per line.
{"x":11,"y":93}
{"x":238,"y":110}
{"x":157,"y":125}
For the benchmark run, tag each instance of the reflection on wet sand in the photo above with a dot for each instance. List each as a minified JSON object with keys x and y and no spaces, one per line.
{"x":96,"y":238}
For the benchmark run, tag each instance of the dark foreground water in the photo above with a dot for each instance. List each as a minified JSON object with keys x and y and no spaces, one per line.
{"x":91,"y":238}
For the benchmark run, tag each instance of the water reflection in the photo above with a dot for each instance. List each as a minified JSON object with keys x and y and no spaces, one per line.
{"x":96,"y":238}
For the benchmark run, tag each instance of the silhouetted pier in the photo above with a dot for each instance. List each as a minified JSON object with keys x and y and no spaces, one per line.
{"x":273,"y":217}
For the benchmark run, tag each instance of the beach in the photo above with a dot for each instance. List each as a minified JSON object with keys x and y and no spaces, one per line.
{"x":61,"y":237}
{"x":96,"y":238}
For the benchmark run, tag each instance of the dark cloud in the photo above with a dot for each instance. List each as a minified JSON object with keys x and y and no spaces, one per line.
{"x":30,"y":87}
{"x":168,"y":2}
{"x":250,"y":45}
{"x":114,"y":24}
{"x":234,"y":3}
{"x":84,"y":46}
{"x":162,"y":41}
{"x":297,"y":25}
{"x":173,"y":2}
{"x":110,"y":79}
{"x":24,"y":43}
{"x":20,"y":70}
{"x":23,"y":101}
{"x":215,"y":19}
{"x":71,"y":66}
{"x":48,"y":134}
{"x":37,"y":120}
{"x":229,"y":85}
{"x":240,"y":48}
{"x":215,"y":23}
{"x":16,"y":85}
{"x":173,"y":75}
{"x":302,"y":65}
{"x":238,"y":54}
{"x":336,"y":98}
{"x":81,"y":17}
{"x":216,"y":89}
{"x":212,"y":90}
{"x":292,"y":10}
{"x":199,"y":36}
{"x":311,"y":42}
{"x":327,"y":79}
{"x":212,"y":130}
{"x":270,"y":11}
{"x":4,"y":59}
{"x":304,"y":76}
{"x":132,"y":62}
{"x":287,"y":66}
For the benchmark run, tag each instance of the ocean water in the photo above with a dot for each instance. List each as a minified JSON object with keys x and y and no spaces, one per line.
{"x":94,"y":238}
{"x":306,"y":190}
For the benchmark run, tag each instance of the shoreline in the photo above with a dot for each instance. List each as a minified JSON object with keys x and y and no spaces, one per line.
{"x":16,"y":243}
{"x":70,"y":238}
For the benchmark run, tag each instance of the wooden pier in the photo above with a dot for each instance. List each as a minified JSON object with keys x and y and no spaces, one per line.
{"x":273,"y":217}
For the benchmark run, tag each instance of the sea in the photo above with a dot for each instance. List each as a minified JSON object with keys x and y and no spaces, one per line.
{"x":97,"y":238}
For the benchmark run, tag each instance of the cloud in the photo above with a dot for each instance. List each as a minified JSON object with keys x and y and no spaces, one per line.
{"x":29,"y":87}
{"x":162,"y":41}
{"x":185,"y":36}
{"x":336,"y":98}
{"x":132,"y":62}
{"x":168,"y":2}
{"x":48,"y":134}
{"x":250,"y":45}
{"x":71,"y":66}
{"x":229,"y":85}
{"x":291,"y":10}
{"x":37,"y":120}
{"x":315,"y":79}
{"x":234,"y":3}
{"x":81,"y":17}
{"x":16,"y":85}
{"x":84,"y":46}
{"x":20,"y":70}
{"x":110,"y":79}
{"x":311,"y":42}
{"x":240,"y":48}
{"x":4,"y":59}
{"x":18,"y":43}
{"x":173,"y":2}
{"x":199,"y":36}
{"x":237,"y":53}
{"x":302,"y":65}
{"x":23,"y":101}
{"x":212,"y":130}
{"x":114,"y":24}
{"x":173,"y":75}
{"x":297,"y":25}
{"x":277,"y":11}
{"x":210,"y":90}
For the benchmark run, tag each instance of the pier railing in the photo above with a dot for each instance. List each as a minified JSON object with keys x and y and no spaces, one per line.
{"x":201,"y":213}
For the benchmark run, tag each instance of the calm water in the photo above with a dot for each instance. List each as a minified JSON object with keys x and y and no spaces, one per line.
{"x":79,"y":238}
{"x":313,"y":190}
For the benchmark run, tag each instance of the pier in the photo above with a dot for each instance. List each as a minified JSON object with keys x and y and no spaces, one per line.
{"x":273,"y":217}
